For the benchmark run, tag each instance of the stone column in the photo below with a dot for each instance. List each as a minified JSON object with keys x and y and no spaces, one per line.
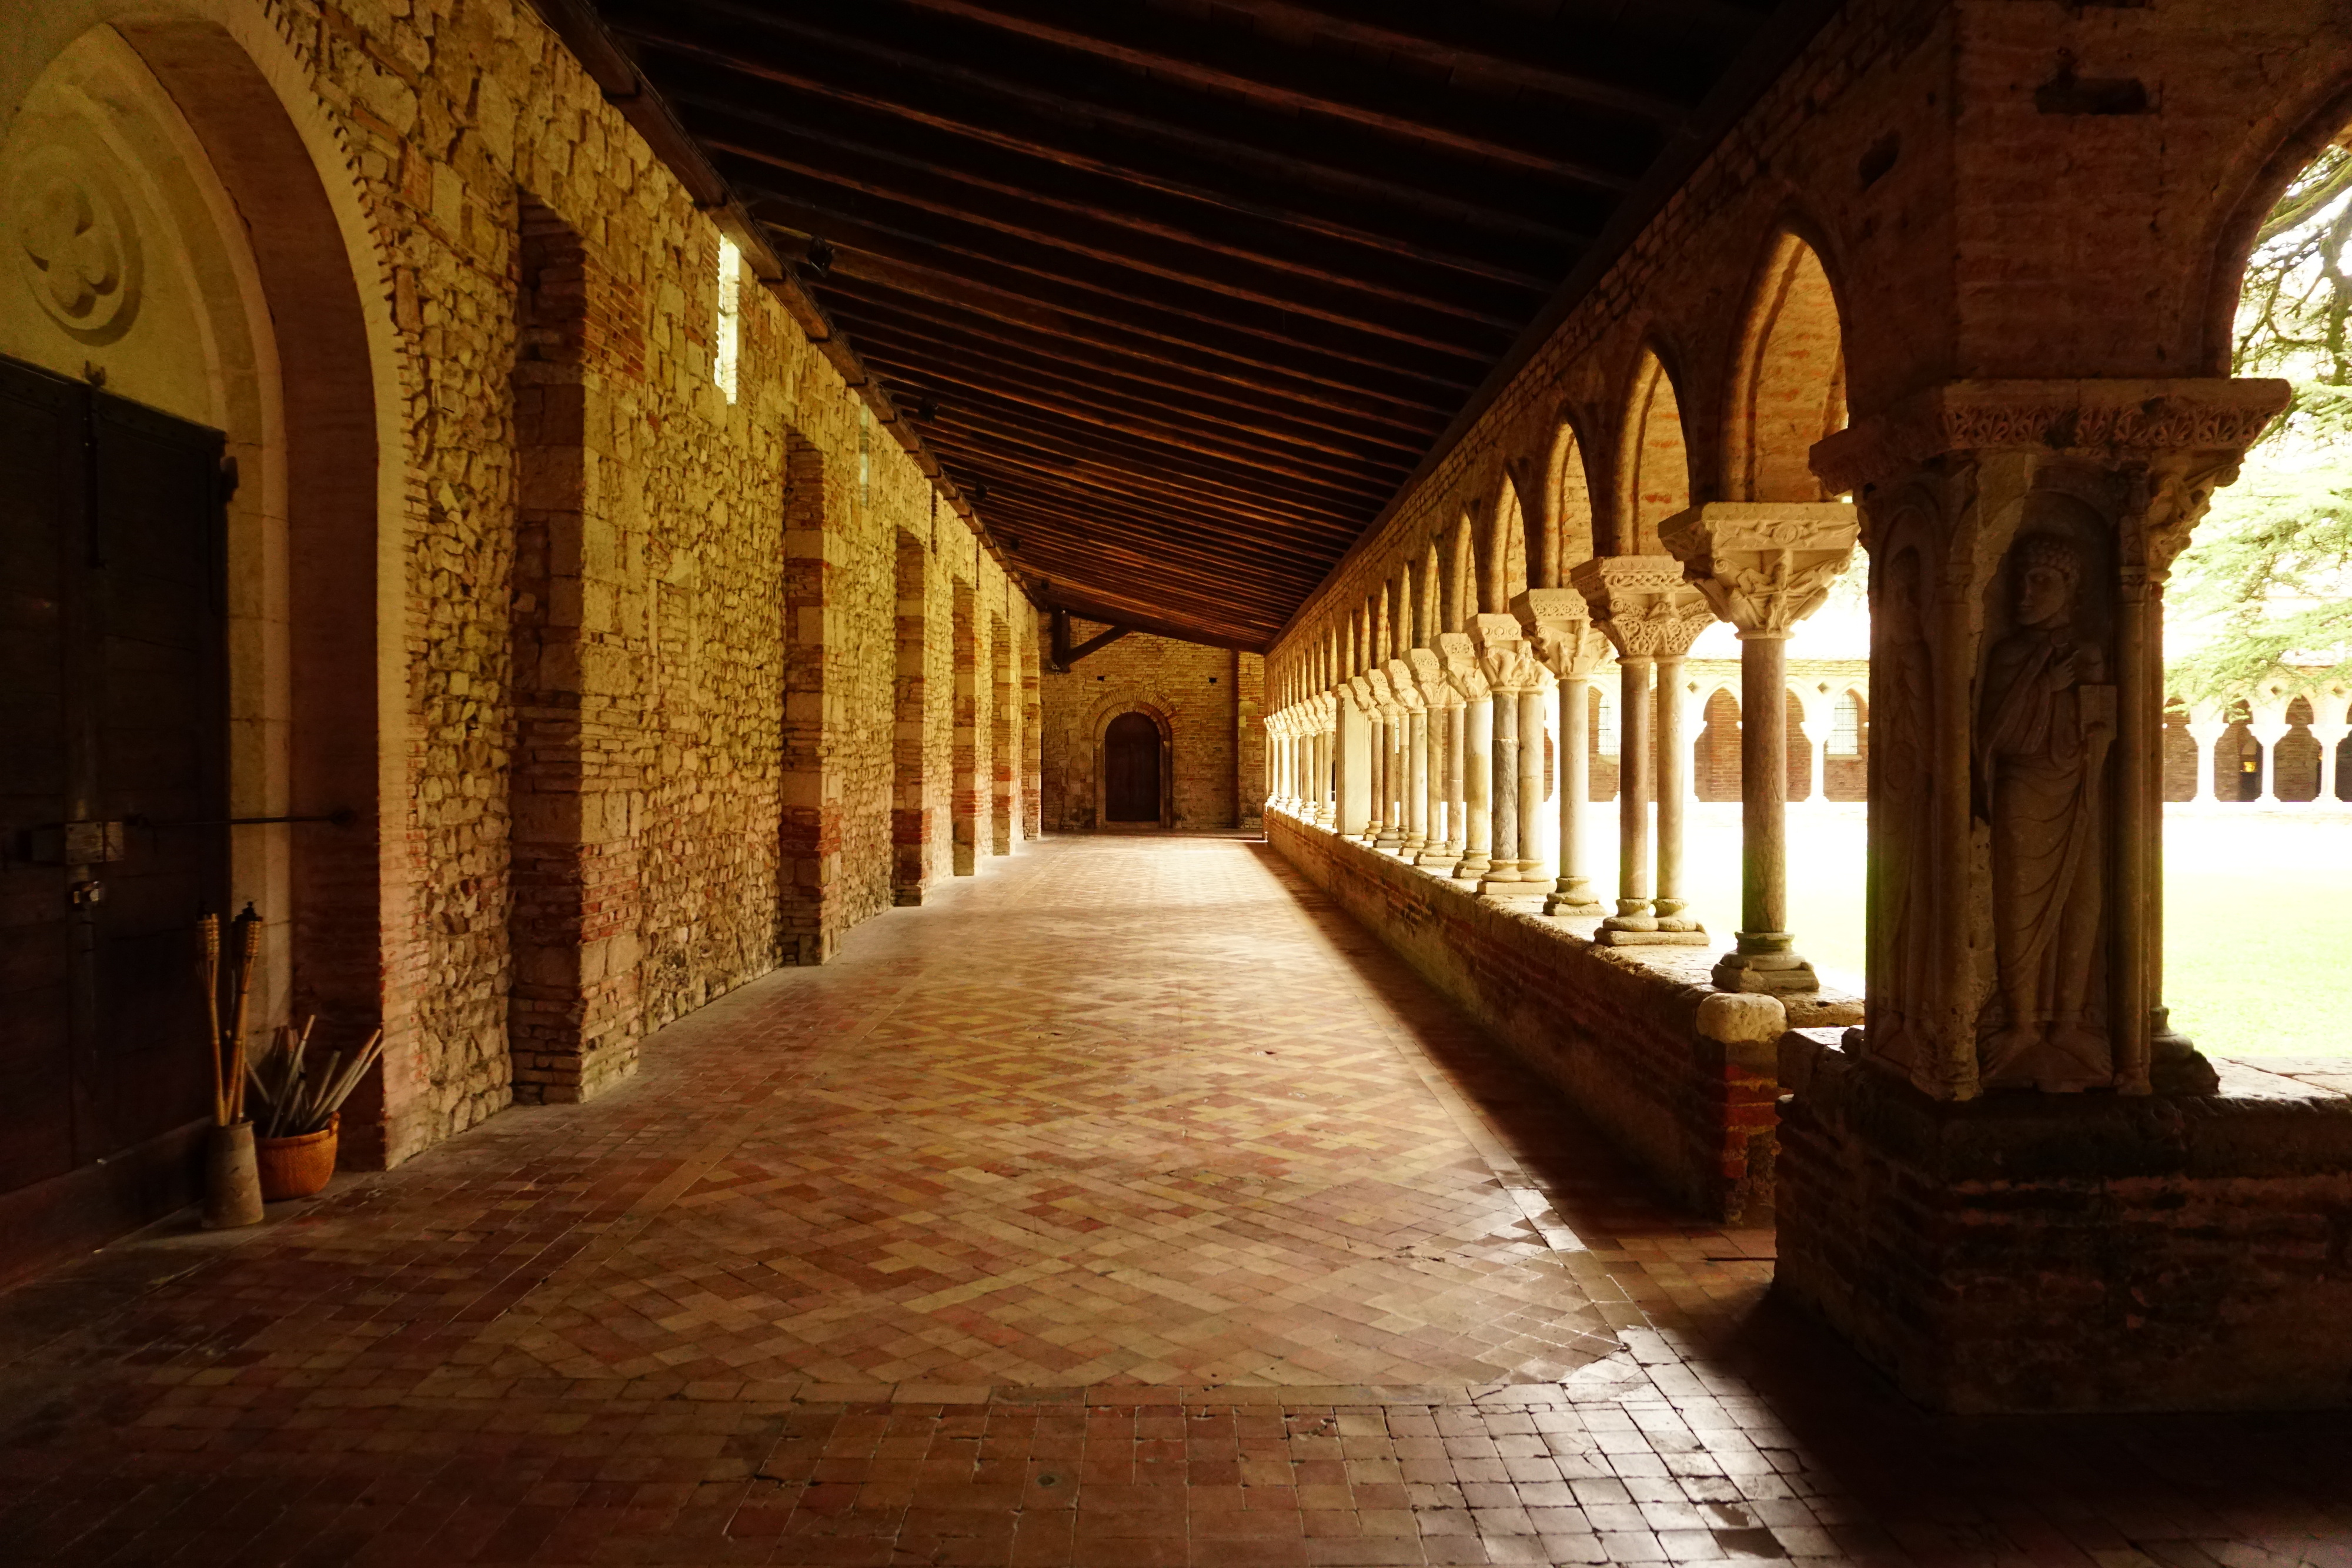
{"x":1511,"y":671}
{"x":1436,"y":698}
{"x":1764,"y":567}
{"x":1571,"y":647}
{"x":1535,"y":707}
{"x":2206,"y":726}
{"x":1674,"y":770}
{"x":1352,"y":761}
{"x":1648,"y":613}
{"x":1412,"y":787}
{"x":2021,"y":534}
{"x":2329,"y":735}
{"x":1467,"y":676}
{"x":1458,"y":815}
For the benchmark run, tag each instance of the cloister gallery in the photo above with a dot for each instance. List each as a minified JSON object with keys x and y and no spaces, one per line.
{"x":945,"y":748}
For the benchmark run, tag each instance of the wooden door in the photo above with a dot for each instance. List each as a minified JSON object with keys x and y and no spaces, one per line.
{"x":1131,"y":769}
{"x":113,"y":797}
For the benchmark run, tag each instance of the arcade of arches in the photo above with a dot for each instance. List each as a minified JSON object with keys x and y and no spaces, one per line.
{"x":654,"y":581}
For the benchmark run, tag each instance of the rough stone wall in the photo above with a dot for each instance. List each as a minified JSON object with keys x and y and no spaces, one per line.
{"x":1189,"y":687}
{"x":695,"y":828}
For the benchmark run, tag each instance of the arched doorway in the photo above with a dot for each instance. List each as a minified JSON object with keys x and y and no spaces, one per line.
{"x":1131,"y":769}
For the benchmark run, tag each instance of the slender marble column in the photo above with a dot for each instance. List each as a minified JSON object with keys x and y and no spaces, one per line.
{"x":1674,"y":765}
{"x":2330,"y":736}
{"x":1477,"y":788}
{"x":1457,"y":814}
{"x":1634,"y":912}
{"x":1503,"y":801}
{"x":2208,"y":732}
{"x":1416,"y":818}
{"x":1535,"y":703}
{"x":1352,"y":780}
{"x":1572,"y":893}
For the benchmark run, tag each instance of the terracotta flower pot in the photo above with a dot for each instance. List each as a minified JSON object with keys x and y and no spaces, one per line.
{"x":297,"y":1167}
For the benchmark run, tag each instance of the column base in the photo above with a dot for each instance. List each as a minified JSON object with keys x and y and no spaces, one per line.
{"x":1765,"y":962}
{"x":1472,"y":865}
{"x":1618,"y":937}
{"x":1440,"y":860}
{"x":1571,"y":895}
{"x":1505,"y":881}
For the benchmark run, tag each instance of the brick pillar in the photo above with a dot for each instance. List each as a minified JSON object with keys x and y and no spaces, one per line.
{"x":966,"y":792}
{"x":1251,"y":781}
{"x":1032,"y":735}
{"x":573,"y":1008}
{"x":1003,"y":757}
{"x":910,"y":801}
{"x":816,"y":515}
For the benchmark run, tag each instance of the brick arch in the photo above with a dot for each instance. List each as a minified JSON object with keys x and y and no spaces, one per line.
{"x":2280,"y":148}
{"x":1715,"y":768}
{"x":1789,"y":385}
{"x":1654,"y":479}
{"x":1460,"y":565}
{"x":350,"y":925}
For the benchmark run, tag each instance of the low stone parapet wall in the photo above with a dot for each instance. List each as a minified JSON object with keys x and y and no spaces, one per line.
{"x":1678,"y":1074}
{"x":2079,"y":1251}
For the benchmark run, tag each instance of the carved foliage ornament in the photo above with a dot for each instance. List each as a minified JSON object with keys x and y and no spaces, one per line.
{"x":1404,"y":689}
{"x":1461,"y":668}
{"x":2078,"y":416}
{"x":76,"y":250}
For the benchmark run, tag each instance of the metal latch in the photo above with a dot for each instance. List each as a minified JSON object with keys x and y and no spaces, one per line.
{"x":88,"y":893}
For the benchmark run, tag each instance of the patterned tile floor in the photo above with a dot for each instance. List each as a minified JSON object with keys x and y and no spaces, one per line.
{"x":1124,"y":1206}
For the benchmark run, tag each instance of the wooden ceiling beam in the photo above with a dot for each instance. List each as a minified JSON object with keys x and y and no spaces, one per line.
{"x":1142,"y":621}
{"x":1376,"y":484}
{"x":853,"y":220}
{"x":1068,"y":313}
{"x":1096,"y":522}
{"x":1152,"y":118}
{"x":1069,"y":460}
{"x":1138,"y":567}
{"x":1225,"y":62}
{"x":917,"y":349}
{"x":1046,"y":207}
{"x":1307,"y":402}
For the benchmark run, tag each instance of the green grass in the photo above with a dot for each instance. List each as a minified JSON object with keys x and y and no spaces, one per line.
{"x":2258,"y":915}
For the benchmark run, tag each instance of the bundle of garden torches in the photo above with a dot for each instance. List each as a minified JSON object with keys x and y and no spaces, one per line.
{"x":297,"y":1096}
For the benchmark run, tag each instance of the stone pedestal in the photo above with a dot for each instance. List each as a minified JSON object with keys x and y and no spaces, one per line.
{"x":2033,"y":1251}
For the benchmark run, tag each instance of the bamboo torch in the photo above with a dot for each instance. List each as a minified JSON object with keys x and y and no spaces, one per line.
{"x":248,"y":949}
{"x":208,"y":932}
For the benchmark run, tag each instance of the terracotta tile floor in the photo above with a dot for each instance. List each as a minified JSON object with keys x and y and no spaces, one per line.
{"x":1125,"y":1206}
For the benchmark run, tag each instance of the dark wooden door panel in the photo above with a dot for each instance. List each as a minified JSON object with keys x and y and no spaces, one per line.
{"x":42,"y":429}
{"x":113,"y":688}
{"x":1131,"y":769}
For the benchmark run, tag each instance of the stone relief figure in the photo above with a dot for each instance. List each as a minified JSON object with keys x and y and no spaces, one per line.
{"x":2041,"y":744}
{"x":1903,"y":725}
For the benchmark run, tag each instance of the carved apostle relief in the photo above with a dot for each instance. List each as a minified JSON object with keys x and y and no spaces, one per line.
{"x":2046,"y":719}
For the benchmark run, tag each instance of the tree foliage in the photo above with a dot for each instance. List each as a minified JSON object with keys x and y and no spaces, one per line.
{"x":2271,"y":570}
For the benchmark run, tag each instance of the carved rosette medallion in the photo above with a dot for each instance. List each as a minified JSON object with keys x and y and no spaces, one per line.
{"x":76,"y":250}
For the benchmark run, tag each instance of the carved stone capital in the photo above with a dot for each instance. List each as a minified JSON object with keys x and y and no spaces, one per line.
{"x":1404,"y":688}
{"x":2117,"y":419}
{"x":1561,"y":625}
{"x":1459,"y":657}
{"x":1642,"y":604}
{"x":1429,"y":672}
{"x":1763,"y":565}
{"x":1506,"y":655}
{"x":1360,"y":691}
{"x":1378,"y":697}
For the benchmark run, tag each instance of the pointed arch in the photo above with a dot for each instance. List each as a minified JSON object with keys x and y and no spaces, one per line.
{"x":1656,"y":459}
{"x":1788,"y":388}
{"x":1461,"y":574}
{"x":1428,"y":599}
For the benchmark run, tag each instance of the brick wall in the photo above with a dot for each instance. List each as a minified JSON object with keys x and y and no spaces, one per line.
{"x":1192,"y":689}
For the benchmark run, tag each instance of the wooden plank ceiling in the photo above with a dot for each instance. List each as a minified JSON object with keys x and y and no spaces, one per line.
{"x":1179,"y":291}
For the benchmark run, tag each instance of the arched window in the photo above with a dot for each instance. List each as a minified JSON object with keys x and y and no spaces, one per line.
{"x":1845,"y":727}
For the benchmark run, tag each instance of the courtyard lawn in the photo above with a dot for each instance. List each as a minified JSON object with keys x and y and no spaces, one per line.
{"x":2258,"y":917}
